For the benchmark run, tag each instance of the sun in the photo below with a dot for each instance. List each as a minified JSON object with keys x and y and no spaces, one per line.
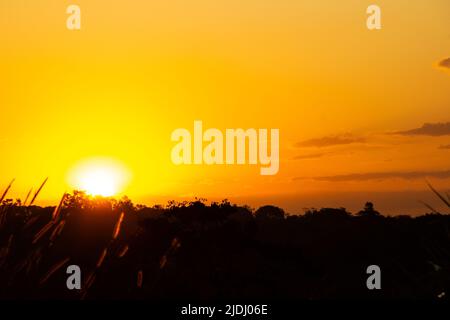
{"x":99,"y":177}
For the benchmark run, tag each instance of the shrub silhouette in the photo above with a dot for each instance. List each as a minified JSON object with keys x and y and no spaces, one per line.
{"x":269,"y":212}
{"x":368,"y":210}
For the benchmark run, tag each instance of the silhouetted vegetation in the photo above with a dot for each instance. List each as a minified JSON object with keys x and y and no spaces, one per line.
{"x":196,"y":250}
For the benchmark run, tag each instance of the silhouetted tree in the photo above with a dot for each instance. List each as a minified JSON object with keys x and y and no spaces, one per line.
{"x":218,"y":251}
{"x":76,"y":200}
{"x":124,"y":205}
{"x":269,"y":212}
{"x":368,"y":210}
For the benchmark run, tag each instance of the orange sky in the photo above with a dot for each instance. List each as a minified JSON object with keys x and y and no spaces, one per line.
{"x":138,"y":70}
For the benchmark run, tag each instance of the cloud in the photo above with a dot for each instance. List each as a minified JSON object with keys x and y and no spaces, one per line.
{"x":330,"y":141}
{"x":445,"y":146}
{"x":310,"y":156}
{"x":444,"y":63}
{"x":411,"y":175}
{"x":428,"y":129}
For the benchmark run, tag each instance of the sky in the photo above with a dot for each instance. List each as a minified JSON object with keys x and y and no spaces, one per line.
{"x":363,"y":114}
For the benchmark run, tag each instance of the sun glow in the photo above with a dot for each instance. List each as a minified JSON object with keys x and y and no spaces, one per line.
{"x":99,"y":177}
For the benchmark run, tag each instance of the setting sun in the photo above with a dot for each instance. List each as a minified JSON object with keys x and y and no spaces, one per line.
{"x":99,"y":177}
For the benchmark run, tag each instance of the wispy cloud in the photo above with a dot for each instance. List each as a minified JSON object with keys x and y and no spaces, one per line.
{"x":310,"y":156}
{"x":329,"y":141}
{"x":444,"y":63}
{"x":428,"y":129}
{"x":411,"y":175}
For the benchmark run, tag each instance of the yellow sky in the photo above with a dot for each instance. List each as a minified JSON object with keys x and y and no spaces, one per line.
{"x":137,"y":70}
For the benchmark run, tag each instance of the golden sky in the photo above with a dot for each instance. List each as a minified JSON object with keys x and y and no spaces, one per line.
{"x":345,"y":99}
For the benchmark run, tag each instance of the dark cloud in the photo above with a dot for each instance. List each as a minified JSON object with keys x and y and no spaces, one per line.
{"x":383,"y":176}
{"x":429,"y":129}
{"x":445,"y":146}
{"x":445,"y":63}
{"x":310,"y":156}
{"x":330,"y":141}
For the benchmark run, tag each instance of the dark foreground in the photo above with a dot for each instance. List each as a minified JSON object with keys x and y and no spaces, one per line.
{"x":217,"y":252}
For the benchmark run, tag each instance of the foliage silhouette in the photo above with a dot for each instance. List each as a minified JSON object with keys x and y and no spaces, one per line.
{"x":220,"y":250}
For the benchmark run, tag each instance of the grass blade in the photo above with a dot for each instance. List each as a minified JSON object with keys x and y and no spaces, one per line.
{"x":439,"y":195}
{"x":102,"y":258}
{"x":27,"y":197}
{"x":52,"y":270}
{"x":43,"y":231}
{"x":117,"y":227}
{"x":429,"y":207}
{"x":6,"y":191}
{"x":38,"y":191}
{"x":58,"y":208}
{"x":140,"y":279}
{"x":123,"y":251}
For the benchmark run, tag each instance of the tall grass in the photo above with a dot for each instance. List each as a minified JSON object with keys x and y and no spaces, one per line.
{"x":116,"y":248}
{"x":440,"y":196}
{"x":6,"y":191}
{"x":53,"y":270}
{"x":38,"y":191}
{"x":444,"y":198}
{"x":103,"y":255}
{"x":27,"y":197}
